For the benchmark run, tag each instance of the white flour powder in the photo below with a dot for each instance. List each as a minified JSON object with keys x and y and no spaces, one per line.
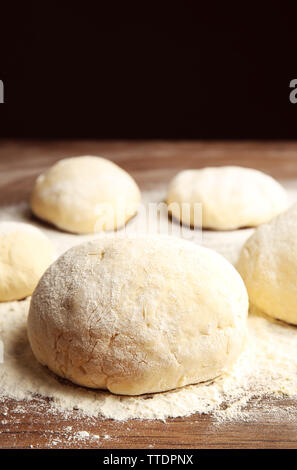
{"x":267,"y":367}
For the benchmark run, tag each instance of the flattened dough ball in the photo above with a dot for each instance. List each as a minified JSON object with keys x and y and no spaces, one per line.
{"x":85,"y":195}
{"x":268,"y":266}
{"x":138,"y":315}
{"x":25,"y":253}
{"x":231,"y":197}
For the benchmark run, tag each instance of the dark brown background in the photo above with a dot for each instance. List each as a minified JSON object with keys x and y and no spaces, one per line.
{"x":175,"y":70}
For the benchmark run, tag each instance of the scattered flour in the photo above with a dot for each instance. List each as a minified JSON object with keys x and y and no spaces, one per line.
{"x":266,"y":368}
{"x":82,"y":434}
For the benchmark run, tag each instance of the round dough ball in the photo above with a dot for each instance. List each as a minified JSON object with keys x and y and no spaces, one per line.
{"x":138,"y":315}
{"x":231,"y":197}
{"x":25,"y":253}
{"x":268,"y":266}
{"x":85,"y":195}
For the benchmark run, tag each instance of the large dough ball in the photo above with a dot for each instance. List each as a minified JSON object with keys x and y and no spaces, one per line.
{"x":268,"y":266}
{"x":231,"y":197}
{"x":138,"y":315}
{"x":25,"y":253}
{"x":85,"y":195}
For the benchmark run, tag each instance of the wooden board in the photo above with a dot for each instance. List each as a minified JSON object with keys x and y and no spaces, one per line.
{"x":151,"y":163}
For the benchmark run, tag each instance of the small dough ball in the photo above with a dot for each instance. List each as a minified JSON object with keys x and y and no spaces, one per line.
{"x":85,"y":195}
{"x":138,"y":315}
{"x":268,"y":266}
{"x":231,"y":197}
{"x":25,"y":253}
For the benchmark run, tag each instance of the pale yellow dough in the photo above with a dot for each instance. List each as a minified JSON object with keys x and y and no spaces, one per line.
{"x":138,"y":315}
{"x":231,"y":197}
{"x":85,"y":195}
{"x":268,"y":266}
{"x":25,"y":253}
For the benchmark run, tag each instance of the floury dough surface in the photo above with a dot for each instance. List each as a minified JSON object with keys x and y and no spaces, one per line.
{"x":231,"y":196}
{"x":85,"y":194}
{"x":267,"y":367}
{"x":176,"y":315}
{"x":25,"y":253}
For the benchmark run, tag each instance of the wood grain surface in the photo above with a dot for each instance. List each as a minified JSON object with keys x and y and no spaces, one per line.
{"x":151,"y":163}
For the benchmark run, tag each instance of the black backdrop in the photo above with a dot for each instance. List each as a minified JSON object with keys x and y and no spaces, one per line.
{"x":205,"y":70}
